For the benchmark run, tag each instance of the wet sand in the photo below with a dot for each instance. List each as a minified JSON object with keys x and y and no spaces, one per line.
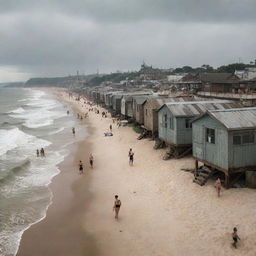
{"x":163,"y":212}
{"x":62,"y":232}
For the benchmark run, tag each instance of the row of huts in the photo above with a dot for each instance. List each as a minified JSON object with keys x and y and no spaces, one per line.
{"x":219,"y":133}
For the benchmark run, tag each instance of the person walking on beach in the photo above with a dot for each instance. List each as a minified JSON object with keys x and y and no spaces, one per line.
{"x":110,"y":128}
{"x":235,"y":237}
{"x":73,"y":131}
{"x":117,"y":206}
{"x":81,"y":167}
{"x":91,"y":160}
{"x":131,"y":156}
{"x":37,"y":152}
{"x":218,"y":186}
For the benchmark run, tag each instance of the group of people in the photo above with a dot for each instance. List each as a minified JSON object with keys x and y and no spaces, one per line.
{"x":81,"y":166}
{"x":117,"y":201}
{"x":104,"y":114}
{"x":40,"y":153}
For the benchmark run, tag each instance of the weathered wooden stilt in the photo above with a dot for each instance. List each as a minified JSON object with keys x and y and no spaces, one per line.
{"x":226,"y":181}
{"x":196,"y":164}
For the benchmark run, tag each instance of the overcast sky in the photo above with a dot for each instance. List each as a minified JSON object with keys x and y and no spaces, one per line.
{"x":58,"y":37}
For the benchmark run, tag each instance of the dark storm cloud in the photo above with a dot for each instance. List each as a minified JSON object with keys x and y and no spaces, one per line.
{"x":59,"y":37}
{"x":135,"y":10}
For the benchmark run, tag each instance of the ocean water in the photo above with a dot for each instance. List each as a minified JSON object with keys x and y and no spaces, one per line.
{"x":30,"y":119}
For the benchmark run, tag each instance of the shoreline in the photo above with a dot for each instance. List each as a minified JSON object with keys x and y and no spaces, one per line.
{"x":69,"y":186}
{"x":163,"y":212}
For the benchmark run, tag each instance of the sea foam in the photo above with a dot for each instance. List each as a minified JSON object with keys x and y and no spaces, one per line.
{"x":13,"y":138}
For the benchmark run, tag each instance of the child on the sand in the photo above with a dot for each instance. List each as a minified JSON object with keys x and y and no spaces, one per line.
{"x":218,"y":186}
{"x":235,"y":237}
{"x":81,"y":167}
{"x":117,"y":206}
{"x":131,"y":156}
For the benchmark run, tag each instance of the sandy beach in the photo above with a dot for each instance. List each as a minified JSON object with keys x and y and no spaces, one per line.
{"x":163,"y":212}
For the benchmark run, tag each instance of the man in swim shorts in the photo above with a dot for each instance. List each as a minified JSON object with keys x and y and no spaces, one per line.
{"x":117,"y":206}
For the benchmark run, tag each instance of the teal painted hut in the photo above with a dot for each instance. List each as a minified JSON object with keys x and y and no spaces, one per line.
{"x":174,"y":120}
{"x":226,"y":140}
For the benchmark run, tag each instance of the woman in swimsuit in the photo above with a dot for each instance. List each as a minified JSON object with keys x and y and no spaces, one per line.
{"x":117,"y":205}
{"x":81,"y":168}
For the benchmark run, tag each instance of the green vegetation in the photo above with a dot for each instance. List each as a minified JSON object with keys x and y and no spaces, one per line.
{"x":136,"y":128}
{"x":113,"y":77}
{"x":231,"y":68}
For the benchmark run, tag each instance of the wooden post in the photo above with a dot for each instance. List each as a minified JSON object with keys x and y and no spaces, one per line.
{"x":196,"y":164}
{"x":226,"y":181}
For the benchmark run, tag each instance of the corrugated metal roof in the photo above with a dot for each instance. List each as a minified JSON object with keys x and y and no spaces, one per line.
{"x":237,"y":118}
{"x":140,"y":100}
{"x":198,"y":107}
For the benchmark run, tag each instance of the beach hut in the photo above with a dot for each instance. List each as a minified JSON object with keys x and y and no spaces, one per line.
{"x":225,"y":140}
{"x":116,"y":103}
{"x":151,"y":107}
{"x":138,"y":108}
{"x":175,"y":127}
{"x":108,"y":101}
{"x":127,"y":102}
{"x":126,"y":106}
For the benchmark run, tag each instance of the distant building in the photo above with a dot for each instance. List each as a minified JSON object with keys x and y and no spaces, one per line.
{"x":211,"y":82}
{"x":247,"y":74}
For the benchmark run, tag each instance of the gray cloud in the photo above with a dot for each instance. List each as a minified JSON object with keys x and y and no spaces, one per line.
{"x":136,"y":10}
{"x":60,"y":37}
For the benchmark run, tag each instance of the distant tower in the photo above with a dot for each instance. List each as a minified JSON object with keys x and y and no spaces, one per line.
{"x":77,"y":75}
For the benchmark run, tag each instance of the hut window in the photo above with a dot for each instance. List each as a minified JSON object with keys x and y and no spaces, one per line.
{"x":248,"y":138}
{"x":237,"y":140}
{"x":165,"y":120}
{"x":171,"y":123}
{"x":188,"y":123}
{"x":210,"y":135}
{"x":146,"y":112}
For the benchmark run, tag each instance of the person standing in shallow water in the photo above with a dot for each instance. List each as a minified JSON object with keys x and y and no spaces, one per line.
{"x":37,"y":152}
{"x":73,"y":131}
{"x":131,"y":156}
{"x":117,"y":206}
{"x":218,"y":186}
{"x":42,"y":154}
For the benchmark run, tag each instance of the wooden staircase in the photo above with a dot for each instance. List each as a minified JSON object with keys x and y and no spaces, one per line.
{"x":159,"y":144}
{"x":202,"y":174}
